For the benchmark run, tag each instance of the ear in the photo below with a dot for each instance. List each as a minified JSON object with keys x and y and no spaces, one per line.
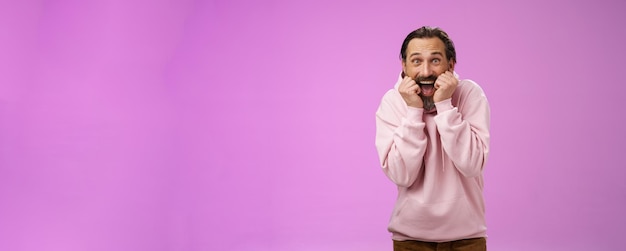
{"x":403,"y":64}
{"x":452,"y":63}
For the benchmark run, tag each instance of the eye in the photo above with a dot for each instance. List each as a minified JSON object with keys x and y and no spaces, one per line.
{"x":415,"y":61}
{"x":436,"y":60}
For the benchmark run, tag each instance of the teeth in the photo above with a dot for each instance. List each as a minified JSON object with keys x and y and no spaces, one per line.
{"x":427,"y":82}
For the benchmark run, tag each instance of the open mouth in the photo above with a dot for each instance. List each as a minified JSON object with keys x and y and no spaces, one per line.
{"x":427,"y":87}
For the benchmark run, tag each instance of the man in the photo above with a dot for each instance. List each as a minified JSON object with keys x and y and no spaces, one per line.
{"x":432,"y":137}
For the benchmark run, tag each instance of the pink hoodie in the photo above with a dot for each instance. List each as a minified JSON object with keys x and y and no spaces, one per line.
{"x":436,"y":158}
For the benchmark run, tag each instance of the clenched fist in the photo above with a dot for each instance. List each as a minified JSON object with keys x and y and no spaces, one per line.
{"x":409,"y":90}
{"x":445,"y":85}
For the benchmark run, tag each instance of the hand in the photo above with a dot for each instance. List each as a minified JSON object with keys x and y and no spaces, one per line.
{"x":409,"y":91}
{"x":444,"y":86}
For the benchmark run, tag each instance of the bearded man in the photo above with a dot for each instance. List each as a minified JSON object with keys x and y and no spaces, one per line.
{"x":432,"y":138}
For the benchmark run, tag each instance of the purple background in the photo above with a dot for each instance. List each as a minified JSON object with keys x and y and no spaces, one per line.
{"x":243,"y":125}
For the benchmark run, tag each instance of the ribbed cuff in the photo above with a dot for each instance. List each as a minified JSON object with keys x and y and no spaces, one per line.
{"x":414,"y":114}
{"x":444,"y":105}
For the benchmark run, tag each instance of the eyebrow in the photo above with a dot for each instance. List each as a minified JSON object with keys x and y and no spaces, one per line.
{"x":434,"y":53}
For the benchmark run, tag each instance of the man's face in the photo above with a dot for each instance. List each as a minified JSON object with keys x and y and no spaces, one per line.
{"x":425,"y":61}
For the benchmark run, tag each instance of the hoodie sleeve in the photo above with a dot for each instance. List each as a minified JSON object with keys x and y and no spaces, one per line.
{"x":464,"y":130}
{"x":400,"y":139}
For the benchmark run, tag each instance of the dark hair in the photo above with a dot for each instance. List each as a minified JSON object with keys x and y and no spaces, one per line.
{"x":430,"y":32}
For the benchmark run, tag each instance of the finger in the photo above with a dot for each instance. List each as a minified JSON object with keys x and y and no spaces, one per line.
{"x":439,"y":81}
{"x":444,"y":76}
{"x":414,"y":89}
{"x":407,"y":87}
{"x":411,"y":82}
{"x":447,"y":75}
{"x":451,"y":78}
{"x":405,"y":82}
{"x":442,"y":79}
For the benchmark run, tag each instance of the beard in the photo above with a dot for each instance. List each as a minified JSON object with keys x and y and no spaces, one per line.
{"x":429,"y":103}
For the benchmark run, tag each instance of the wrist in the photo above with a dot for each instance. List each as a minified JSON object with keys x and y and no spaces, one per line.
{"x":414,"y":114}
{"x":444,"y":105}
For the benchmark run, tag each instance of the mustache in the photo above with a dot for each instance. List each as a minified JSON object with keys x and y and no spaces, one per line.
{"x":419,"y":79}
{"x":426,"y":78}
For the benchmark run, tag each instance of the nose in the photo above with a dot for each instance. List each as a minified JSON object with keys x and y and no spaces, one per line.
{"x":426,"y":70}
